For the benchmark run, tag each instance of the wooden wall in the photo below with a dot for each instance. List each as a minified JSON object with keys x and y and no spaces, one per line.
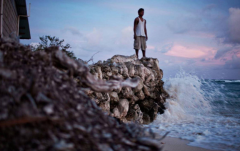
{"x":10,"y":18}
{"x":0,"y":18}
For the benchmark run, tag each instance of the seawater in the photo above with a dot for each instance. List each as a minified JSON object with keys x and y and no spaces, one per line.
{"x":205,"y":112}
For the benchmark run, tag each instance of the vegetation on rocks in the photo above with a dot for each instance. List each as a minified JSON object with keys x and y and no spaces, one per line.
{"x":50,"y":41}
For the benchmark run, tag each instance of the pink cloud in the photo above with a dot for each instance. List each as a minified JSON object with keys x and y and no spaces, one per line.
{"x":150,"y":47}
{"x":234,"y":21}
{"x":201,"y":34}
{"x":238,"y":54}
{"x":187,"y":52}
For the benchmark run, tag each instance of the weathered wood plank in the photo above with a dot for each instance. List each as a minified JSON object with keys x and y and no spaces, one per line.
{"x":9,"y":18}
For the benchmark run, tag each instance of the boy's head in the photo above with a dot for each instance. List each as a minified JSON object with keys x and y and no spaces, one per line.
{"x":141,"y":12}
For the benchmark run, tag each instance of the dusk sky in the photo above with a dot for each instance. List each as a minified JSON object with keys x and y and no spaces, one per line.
{"x":202,"y":36}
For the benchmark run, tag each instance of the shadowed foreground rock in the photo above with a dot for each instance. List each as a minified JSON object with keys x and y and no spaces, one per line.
{"x":44,"y":108}
{"x":140,"y":104}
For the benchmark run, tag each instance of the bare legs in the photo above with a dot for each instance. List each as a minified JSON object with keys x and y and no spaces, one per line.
{"x":136,"y":50}
{"x":143,"y":53}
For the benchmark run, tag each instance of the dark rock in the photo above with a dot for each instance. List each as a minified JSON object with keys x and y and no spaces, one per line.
{"x":146,"y":118}
{"x":135,"y":114}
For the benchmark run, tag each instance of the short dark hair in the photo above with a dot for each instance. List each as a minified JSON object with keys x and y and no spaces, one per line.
{"x":140,"y":9}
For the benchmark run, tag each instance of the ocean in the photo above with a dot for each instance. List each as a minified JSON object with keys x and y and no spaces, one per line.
{"x":205,"y":112}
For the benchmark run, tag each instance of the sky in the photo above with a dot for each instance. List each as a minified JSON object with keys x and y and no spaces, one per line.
{"x":201,"y":37}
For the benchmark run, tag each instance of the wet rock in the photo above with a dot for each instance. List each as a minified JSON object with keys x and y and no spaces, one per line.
{"x":154,"y":111}
{"x":146,"y":105}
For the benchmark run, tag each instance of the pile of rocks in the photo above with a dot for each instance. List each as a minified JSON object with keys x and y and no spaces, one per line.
{"x":140,"y":104}
{"x":44,"y":105}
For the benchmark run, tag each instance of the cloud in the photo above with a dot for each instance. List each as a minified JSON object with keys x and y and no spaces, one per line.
{"x":126,"y":37}
{"x":209,"y":7}
{"x":209,"y":21}
{"x":222,"y":51}
{"x":229,"y":32}
{"x":72,"y":30}
{"x":94,"y":37}
{"x":202,"y":20}
{"x":167,"y":47}
{"x":234,"y":25}
{"x":234,"y":63}
{"x":186,"y":52}
{"x":190,"y":61}
{"x":183,"y":24}
{"x":150,"y":47}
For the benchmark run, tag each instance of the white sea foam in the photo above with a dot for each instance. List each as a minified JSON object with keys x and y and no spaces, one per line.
{"x":228,"y":81}
{"x":192,"y":115}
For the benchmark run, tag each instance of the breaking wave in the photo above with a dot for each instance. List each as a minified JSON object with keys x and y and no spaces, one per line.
{"x":202,"y":111}
{"x":228,"y":81}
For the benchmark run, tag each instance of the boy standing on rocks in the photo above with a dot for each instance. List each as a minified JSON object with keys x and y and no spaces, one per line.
{"x":140,"y":33}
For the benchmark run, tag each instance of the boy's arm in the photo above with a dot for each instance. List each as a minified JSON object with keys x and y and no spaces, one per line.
{"x":145,"y":29}
{"x":135,"y":27}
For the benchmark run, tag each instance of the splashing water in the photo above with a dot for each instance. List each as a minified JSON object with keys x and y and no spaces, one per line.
{"x":206,"y":112}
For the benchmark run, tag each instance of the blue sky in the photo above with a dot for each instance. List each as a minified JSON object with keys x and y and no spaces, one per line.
{"x":200,"y":36}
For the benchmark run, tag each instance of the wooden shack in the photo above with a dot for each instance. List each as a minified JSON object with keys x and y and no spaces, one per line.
{"x":14,"y":19}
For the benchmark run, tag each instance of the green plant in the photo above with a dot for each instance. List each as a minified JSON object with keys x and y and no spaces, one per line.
{"x":48,"y":41}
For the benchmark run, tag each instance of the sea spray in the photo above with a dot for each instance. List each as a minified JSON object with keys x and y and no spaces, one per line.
{"x":186,"y":96}
{"x":206,"y":112}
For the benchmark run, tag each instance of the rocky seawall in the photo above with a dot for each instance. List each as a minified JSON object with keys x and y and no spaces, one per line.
{"x":44,"y":106}
{"x":140,"y":104}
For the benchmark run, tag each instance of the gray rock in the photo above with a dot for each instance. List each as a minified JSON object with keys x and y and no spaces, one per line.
{"x":105,"y":106}
{"x":114,"y":96}
{"x":116,"y":113}
{"x":127,"y":92}
{"x":140,"y":95}
{"x":123,"y":107}
{"x":148,"y":96}
{"x":146,"y":90}
{"x":121,"y":58}
{"x":139,"y":86}
{"x":130,"y":68}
